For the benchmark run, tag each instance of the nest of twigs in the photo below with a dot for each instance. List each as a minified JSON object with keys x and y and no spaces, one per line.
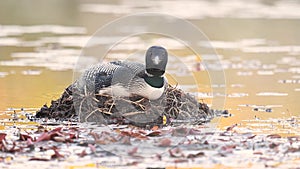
{"x":173,"y":107}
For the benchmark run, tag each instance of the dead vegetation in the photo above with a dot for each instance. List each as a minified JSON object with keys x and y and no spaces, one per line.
{"x":173,"y":107}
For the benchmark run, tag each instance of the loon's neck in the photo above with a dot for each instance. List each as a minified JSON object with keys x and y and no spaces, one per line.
{"x":155,"y":81}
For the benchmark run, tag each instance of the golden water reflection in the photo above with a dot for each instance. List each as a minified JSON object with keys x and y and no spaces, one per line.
{"x":260,"y":58}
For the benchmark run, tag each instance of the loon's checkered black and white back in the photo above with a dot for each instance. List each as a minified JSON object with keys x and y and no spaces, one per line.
{"x":124,"y":78}
{"x":120,"y":78}
{"x":111,"y":68}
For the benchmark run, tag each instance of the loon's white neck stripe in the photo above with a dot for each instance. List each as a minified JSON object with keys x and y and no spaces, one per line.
{"x":150,"y":75}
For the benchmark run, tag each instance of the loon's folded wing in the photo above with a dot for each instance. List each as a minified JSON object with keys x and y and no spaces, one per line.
{"x":107,"y":74}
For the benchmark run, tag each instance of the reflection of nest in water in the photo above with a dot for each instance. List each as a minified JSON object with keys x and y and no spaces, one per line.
{"x":174,"y":106}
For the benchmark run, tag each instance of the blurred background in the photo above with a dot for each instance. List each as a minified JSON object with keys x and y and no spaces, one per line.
{"x":257,"y":42}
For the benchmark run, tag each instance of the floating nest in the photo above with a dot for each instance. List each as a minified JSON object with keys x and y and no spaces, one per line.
{"x":174,"y":107}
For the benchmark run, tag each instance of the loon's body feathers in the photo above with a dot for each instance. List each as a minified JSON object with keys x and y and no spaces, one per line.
{"x":124,"y":78}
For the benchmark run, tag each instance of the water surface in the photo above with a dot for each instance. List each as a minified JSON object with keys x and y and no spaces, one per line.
{"x":259,"y":51}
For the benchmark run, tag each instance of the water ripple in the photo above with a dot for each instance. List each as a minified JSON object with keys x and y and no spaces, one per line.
{"x":202,"y":9}
{"x":16,"y":30}
{"x":3,"y":74}
{"x":271,"y":94}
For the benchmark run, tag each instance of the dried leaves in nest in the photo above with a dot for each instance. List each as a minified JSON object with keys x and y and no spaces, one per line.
{"x":61,"y":108}
{"x":174,"y":106}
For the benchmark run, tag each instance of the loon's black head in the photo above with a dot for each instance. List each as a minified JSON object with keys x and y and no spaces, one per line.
{"x":156,"y":60}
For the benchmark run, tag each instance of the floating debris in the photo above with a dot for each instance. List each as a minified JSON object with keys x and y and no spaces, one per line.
{"x":253,"y":105}
{"x":262,"y":109}
{"x":290,"y":81}
{"x":204,"y":95}
{"x":124,"y":146}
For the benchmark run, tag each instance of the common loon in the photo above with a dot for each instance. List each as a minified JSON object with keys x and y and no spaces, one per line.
{"x":125,"y":78}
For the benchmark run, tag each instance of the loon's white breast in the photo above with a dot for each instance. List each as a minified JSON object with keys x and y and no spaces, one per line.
{"x":150,"y":92}
{"x":142,"y":89}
